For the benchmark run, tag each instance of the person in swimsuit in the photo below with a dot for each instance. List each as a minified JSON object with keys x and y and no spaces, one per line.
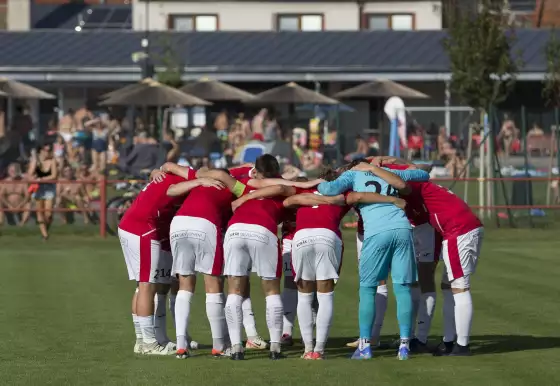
{"x":43,"y":168}
{"x":12,"y":196}
{"x":71,"y":195}
{"x":99,"y":144}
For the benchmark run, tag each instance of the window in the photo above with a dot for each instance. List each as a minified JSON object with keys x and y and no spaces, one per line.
{"x":203,"y":23}
{"x":397,"y":22}
{"x":300,"y":23}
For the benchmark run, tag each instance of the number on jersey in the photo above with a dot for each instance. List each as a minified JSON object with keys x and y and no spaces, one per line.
{"x":390,"y":191}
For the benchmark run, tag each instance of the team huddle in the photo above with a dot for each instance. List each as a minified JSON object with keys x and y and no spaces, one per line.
{"x":224,"y":224}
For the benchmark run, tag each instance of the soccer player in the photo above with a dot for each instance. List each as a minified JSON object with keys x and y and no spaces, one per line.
{"x":141,"y":231}
{"x":251,"y":241}
{"x":196,"y":242}
{"x":316,"y":260}
{"x":388,"y":245}
{"x":462,"y":234}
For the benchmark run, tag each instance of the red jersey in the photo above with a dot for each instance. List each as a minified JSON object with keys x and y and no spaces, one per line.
{"x":211,"y":203}
{"x":320,"y":216}
{"x":289,"y":225}
{"x":266,"y":212}
{"x":415,"y":210}
{"x":153,"y":207}
{"x":448,"y":214}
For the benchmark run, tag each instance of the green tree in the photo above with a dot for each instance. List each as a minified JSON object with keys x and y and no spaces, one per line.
{"x":171,"y":67}
{"x":551,"y":89}
{"x":479,"y":46}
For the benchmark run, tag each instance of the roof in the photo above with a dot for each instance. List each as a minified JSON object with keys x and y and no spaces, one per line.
{"x":239,"y":52}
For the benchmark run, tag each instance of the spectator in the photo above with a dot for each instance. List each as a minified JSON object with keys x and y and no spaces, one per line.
{"x":362,"y":150}
{"x":442,"y":140}
{"x":43,"y":168}
{"x":257,"y":125}
{"x":59,"y":148}
{"x":456,"y":163}
{"x":23,"y":125}
{"x":13,"y":197}
{"x":71,"y":195}
{"x":507,"y":135}
{"x":221,"y":122}
{"x":170,"y":147}
{"x":99,"y":144}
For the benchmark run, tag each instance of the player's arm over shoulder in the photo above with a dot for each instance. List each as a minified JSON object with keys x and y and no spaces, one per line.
{"x":343,"y":183}
{"x":235,"y":186}
{"x":312,"y":199}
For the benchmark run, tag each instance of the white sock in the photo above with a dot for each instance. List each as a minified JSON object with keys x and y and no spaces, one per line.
{"x":234,"y":318}
{"x":137,"y":328}
{"x":182,"y":314}
{"x":216,"y":316}
{"x":305,"y":319}
{"x":274,"y":319}
{"x":160,"y":319}
{"x":463,"y":316}
{"x":380,"y":309}
{"x":416,"y":295}
{"x":249,"y":319}
{"x":289,"y":300}
{"x":172,"y":300}
{"x":324,"y":319}
{"x":146,"y":324}
{"x":448,"y":316}
{"x":425,"y":315}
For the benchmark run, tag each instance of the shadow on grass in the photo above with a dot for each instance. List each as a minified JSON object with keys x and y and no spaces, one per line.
{"x":480,"y":345}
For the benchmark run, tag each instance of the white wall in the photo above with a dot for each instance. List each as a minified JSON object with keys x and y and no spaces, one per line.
{"x":260,"y":16}
{"x":18,"y":15}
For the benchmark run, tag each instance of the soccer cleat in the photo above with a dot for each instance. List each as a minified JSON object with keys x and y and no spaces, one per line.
{"x":307,"y":355}
{"x":403,"y":353}
{"x":356,"y":343}
{"x":225,"y":353}
{"x":418,"y":347}
{"x":256,"y":344}
{"x":362,"y":354}
{"x":460,"y":351}
{"x":182,"y":354}
{"x":275,"y":355}
{"x":318,"y":356}
{"x":237,"y":356}
{"x":157,"y":349}
{"x":138,"y":346}
{"x":287,"y":340}
{"x":443,"y":349}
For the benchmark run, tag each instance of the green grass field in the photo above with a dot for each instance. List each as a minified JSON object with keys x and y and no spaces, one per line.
{"x":65,"y":320}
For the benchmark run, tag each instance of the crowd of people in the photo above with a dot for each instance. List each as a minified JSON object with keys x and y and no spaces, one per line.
{"x":226,"y":226}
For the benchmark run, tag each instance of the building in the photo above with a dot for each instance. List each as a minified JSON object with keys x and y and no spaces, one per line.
{"x":232,"y":15}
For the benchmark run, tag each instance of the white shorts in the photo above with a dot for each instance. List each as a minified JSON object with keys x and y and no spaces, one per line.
{"x":196,"y":245}
{"x":249,"y":246}
{"x":287,"y":258}
{"x":316,"y":255}
{"x":427,"y":243}
{"x":359,"y":242}
{"x":145,"y":261}
{"x":460,"y":254}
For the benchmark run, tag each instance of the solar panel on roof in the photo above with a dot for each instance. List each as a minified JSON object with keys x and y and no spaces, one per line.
{"x":119,"y":16}
{"x":96,"y":16}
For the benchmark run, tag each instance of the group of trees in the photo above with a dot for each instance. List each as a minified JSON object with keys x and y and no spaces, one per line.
{"x":483,"y":63}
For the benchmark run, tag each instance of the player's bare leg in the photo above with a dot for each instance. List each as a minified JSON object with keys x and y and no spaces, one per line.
{"x":426,"y":307}
{"x":325,"y":297}
{"x":290,"y":301}
{"x":137,"y":329}
{"x":216,"y":314}
{"x":254,"y":340}
{"x":274,"y":314}
{"x":234,"y":313}
{"x":182,"y":313}
{"x":306,"y":293}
